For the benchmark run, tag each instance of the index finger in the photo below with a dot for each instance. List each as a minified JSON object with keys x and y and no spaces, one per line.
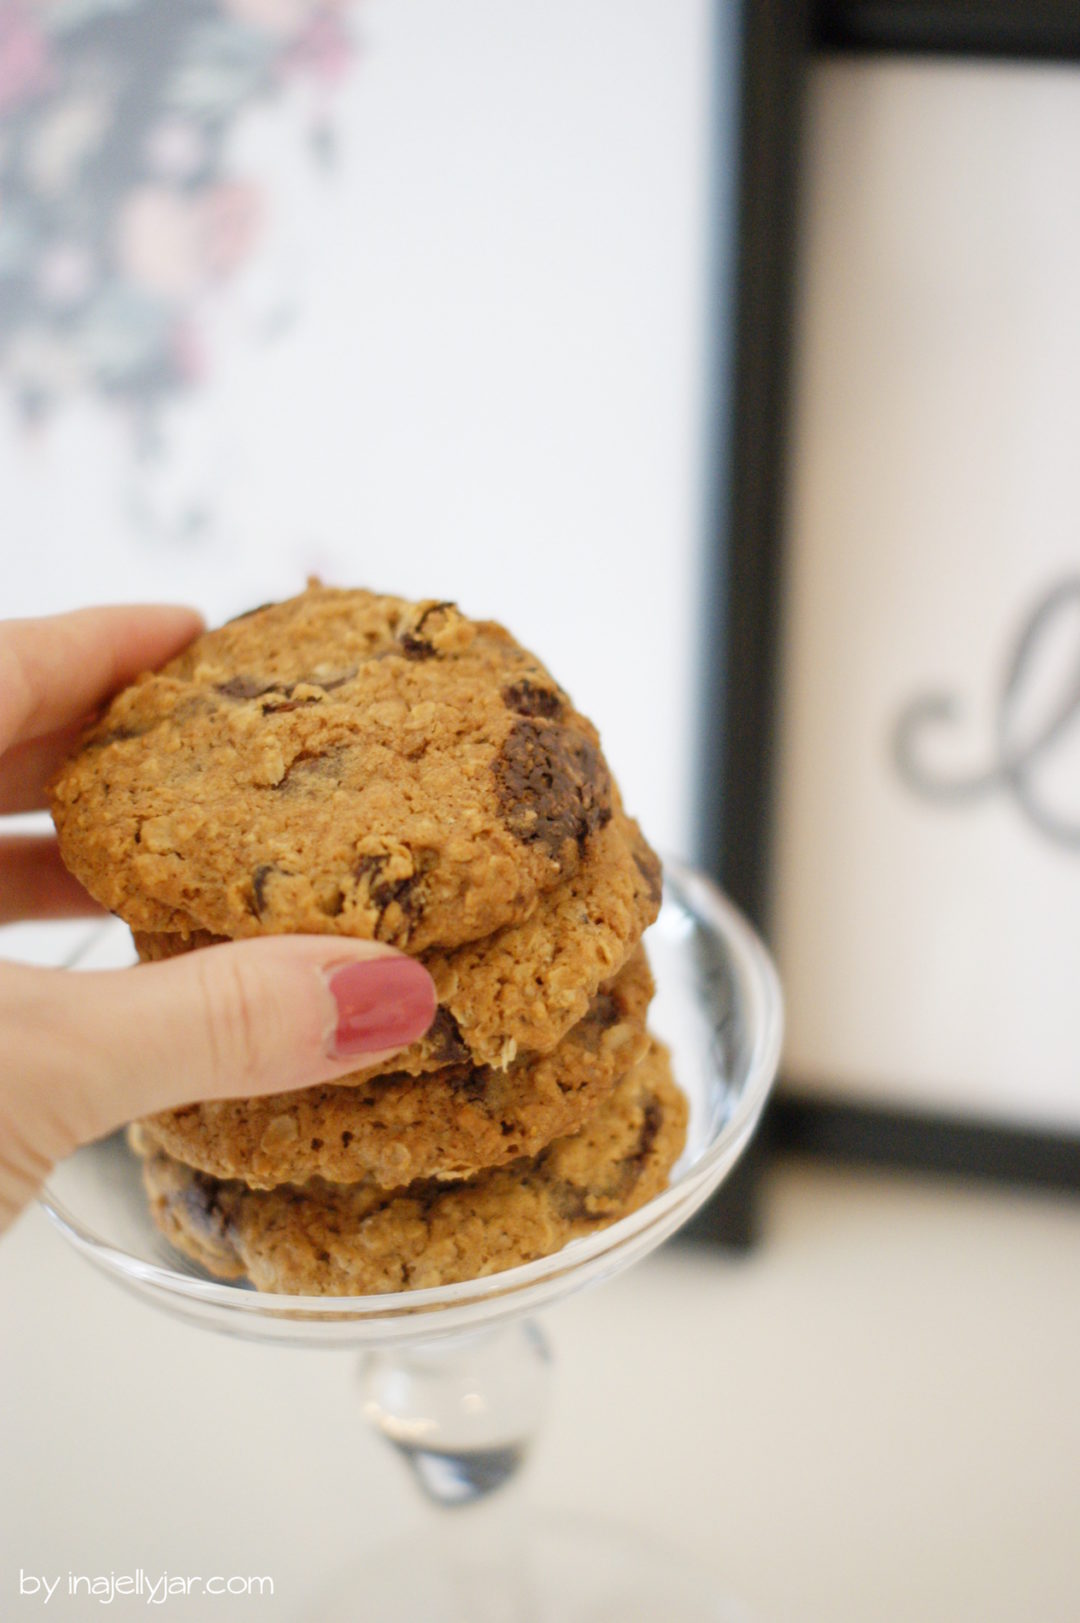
{"x":57,"y":670}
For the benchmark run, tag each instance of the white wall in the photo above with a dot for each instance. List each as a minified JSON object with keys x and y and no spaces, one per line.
{"x":494,"y":388}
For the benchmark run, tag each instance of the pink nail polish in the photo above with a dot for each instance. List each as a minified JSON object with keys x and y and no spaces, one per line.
{"x":381,"y":1003}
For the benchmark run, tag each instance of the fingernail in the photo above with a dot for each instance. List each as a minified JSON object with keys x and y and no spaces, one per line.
{"x":381,"y":1003}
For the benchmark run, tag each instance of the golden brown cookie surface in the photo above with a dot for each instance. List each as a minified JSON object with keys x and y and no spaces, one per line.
{"x":341,"y":762}
{"x":520,"y":990}
{"x":329,"y":1239}
{"x":396,"y":1128}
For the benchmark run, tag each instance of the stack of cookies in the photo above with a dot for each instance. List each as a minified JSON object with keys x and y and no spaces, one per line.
{"x":353,"y":764}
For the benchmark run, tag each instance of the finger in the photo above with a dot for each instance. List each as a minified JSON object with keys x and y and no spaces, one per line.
{"x":228,"y":1021}
{"x":53,"y":671}
{"x":34,"y":884}
{"x":26,"y":768}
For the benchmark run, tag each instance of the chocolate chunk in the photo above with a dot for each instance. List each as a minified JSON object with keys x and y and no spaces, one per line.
{"x":573,"y":1200}
{"x":471,"y":1081}
{"x":444,"y":1040}
{"x":199,"y":1200}
{"x":649,"y":868}
{"x":633,"y":1165}
{"x":272,"y":709}
{"x":572,"y":1203}
{"x":383,"y":892}
{"x":415,"y":646}
{"x":603,"y":1012}
{"x":259,"y":881}
{"x":247,"y":687}
{"x":651,"y":1123}
{"x":310,"y":764}
{"x":526,"y":699}
{"x":254,"y":687}
{"x":553,"y":785}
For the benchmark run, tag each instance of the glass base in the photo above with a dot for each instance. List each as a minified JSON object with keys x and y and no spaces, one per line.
{"x":561,"y":1569}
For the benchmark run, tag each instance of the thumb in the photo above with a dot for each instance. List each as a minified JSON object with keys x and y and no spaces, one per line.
{"x":227,"y":1021}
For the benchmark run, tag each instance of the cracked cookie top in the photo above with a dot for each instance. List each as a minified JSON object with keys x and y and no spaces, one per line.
{"x":339,"y":763}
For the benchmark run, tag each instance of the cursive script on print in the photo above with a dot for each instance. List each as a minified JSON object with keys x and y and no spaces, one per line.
{"x":1023,"y":736}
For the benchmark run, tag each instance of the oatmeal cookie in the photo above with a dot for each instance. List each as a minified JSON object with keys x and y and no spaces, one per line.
{"x":520,"y":990}
{"x":341,"y":763}
{"x":397,"y":1128}
{"x":332,"y":1239}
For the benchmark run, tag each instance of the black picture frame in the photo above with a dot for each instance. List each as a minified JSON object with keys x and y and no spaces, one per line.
{"x":780,"y":38}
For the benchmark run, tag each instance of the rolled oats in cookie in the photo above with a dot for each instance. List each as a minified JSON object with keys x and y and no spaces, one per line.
{"x":397,"y":1128}
{"x":332,"y":1239}
{"x":521,"y":989}
{"x":341,"y":762}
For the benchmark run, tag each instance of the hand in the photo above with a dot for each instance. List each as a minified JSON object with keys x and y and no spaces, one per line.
{"x":82,"y":1053}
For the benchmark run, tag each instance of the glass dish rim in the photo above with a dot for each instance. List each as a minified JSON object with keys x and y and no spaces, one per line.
{"x":759,"y":986}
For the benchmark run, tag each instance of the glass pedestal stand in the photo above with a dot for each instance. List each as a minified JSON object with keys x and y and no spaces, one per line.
{"x":455,"y":1377}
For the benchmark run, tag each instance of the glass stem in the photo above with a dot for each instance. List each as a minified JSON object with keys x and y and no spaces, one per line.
{"x":462,"y":1412}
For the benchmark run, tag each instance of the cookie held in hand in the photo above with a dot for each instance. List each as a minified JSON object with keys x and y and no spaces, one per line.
{"x":341,"y":762}
{"x":395,"y":1128}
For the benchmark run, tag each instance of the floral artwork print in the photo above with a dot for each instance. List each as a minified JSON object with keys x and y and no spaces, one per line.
{"x":118,"y":210}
